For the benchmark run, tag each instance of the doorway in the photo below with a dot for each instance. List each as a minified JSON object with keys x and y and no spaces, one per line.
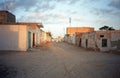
{"x":29,"y":39}
{"x":80,"y":42}
{"x":33,"y":39}
{"x":86,"y":43}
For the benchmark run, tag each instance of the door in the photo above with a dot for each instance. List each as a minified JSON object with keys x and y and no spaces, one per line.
{"x":86,"y":43}
{"x":29,"y":39}
{"x":80,"y":43}
{"x":33,"y":39}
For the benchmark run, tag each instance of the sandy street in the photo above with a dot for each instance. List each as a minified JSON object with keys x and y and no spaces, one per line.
{"x":59,"y":60}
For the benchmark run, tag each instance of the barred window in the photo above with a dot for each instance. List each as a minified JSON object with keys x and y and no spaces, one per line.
{"x":104,"y":42}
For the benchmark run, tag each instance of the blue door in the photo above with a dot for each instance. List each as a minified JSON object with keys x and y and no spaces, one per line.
{"x":29,"y":39}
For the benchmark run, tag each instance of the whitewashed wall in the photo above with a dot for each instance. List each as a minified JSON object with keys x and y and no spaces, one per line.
{"x":13,"y":37}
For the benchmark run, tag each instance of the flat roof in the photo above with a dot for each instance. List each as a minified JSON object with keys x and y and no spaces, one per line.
{"x":79,"y":27}
{"x":24,"y":23}
{"x":3,"y":11}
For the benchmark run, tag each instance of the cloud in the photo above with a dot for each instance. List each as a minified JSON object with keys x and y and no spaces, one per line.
{"x":102,"y":21}
{"x":39,"y":5}
{"x":68,"y":1}
{"x":73,"y":1}
{"x":101,"y":12}
{"x":28,"y":5}
{"x":46,"y":18}
{"x":115,"y":4}
{"x":33,"y":5}
{"x":78,"y":19}
{"x":2,"y":5}
{"x":7,"y":4}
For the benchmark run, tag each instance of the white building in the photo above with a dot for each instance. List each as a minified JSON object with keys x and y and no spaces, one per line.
{"x":19,"y":36}
{"x":102,"y":40}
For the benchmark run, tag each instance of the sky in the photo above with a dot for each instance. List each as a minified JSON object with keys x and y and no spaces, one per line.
{"x":55,"y":14}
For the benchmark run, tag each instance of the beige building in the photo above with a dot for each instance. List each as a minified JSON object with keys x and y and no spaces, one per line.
{"x":73,"y":34}
{"x":77,"y":38}
{"x":102,"y":40}
{"x":7,"y":17}
{"x":72,"y":30}
{"x":46,"y":37}
{"x":19,"y":36}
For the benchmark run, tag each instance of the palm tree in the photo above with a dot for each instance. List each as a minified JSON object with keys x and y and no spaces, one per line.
{"x":106,"y":28}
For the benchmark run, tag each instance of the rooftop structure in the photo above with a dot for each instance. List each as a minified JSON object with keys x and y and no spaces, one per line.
{"x":7,"y":17}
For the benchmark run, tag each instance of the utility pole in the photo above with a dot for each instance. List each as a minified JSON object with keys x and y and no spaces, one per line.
{"x":70,"y":25}
{"x":6,"y":5}
{"x":70,"y":21}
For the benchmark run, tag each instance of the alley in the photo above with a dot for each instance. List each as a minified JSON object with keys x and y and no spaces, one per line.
{"x":60,"y":60}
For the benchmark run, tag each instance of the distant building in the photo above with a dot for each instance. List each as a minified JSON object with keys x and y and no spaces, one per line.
{"x":7,"y":17}
{"x":108,"y":40}
{"x":58,"y":39}
{"x":19,"y":36}
{"x":72,"y":30}
{"x":46,"y":37}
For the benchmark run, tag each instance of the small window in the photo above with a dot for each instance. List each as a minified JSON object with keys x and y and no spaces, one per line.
{"x":101,"y":35}
{"x":104,"y":42}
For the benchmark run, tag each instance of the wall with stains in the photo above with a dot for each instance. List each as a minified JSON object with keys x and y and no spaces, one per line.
{"x":13,"y":37}
{"x":102,"y":40}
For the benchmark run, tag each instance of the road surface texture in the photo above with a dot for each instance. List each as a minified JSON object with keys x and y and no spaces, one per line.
{"x":59,"y":60}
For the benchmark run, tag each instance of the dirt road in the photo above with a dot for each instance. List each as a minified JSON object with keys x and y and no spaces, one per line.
{"x":60,"y":60}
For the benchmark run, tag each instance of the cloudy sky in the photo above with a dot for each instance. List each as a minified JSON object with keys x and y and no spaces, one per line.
{"x":55,"y":14}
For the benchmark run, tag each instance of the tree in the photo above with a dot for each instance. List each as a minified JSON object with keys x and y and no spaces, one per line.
{"x":67,"y":35}
{"x":106,"y":28}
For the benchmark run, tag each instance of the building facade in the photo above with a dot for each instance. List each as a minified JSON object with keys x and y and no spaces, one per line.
{"x":73,"y":34}
{"x":19,"y":36}
{"x":102,"y":40}
{"x":72,"y":30}
{"x":105,"y":40}
{"x":46,"y":37}
{"x":7,"y":17}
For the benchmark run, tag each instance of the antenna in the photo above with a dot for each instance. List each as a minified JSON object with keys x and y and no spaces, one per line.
{"x":70,"y":21}
{"x":8,"y":4}
{"x":5,"y":5}
{"x":70,"y":25}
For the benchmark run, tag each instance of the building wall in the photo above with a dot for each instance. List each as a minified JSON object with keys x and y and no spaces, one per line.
{"x":115,"y":40}
{"x":74,"y":39}
{"x":45,"y":37}
{"x":7,"y":17}
{"x":72,"y":30}
{"x":13,"y":37}
{"x":100,"y":35}
{"x":35,"y":36}
{"x":75,"y":34}
{"x":88,"y":40}
{"x":102,"y":40}
{"x":68,"y":39}
{"x":78,"y":38}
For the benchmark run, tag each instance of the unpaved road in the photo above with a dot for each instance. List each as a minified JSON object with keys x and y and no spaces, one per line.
{"x":59,"y":60}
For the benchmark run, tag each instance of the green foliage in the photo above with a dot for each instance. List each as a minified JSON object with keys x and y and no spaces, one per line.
{"x":106,"y":28}
{"x":67,"y":35}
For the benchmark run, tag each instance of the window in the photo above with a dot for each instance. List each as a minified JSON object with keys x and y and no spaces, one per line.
{"x":104,"y":42}
{"x":101,"y":35}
